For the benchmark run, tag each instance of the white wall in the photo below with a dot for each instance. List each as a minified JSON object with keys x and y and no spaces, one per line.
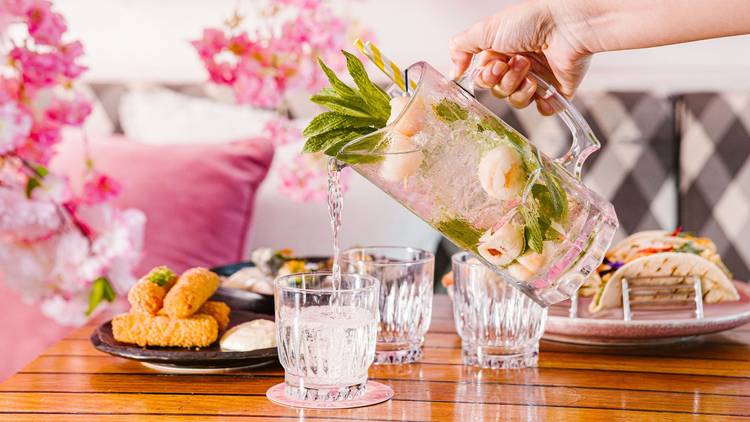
{"x":148,"y":40}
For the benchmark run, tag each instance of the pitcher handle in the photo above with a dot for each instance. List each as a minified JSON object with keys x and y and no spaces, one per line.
{"x":584,"y":141}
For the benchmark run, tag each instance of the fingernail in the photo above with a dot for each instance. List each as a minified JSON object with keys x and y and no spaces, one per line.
{"x":519,"y":63}
{"x":497,"y":68}
{"x":453,"y":74}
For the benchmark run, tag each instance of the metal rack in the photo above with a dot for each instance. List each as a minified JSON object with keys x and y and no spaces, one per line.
{"x":645,"y":293}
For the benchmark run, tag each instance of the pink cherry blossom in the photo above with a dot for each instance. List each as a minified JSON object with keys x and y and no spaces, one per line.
{"x":45,"y":26}
{"x":305,"y":178}
{"x":15,"y":126}
{"x":69,"y":112}
{"x":100,"y":188}
{"x":282,"y":131}
{"x":54,"y":242}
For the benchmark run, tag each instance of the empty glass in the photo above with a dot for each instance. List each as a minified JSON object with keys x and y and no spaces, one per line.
{"x":406,"y":280}
{"x":500,"y":326}
{"x":326,"y":337}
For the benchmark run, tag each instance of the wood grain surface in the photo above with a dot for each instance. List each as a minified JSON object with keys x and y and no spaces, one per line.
{"x":708,"y":380}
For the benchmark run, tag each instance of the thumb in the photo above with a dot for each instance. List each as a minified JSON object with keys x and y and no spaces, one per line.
{"x":463,"y":46}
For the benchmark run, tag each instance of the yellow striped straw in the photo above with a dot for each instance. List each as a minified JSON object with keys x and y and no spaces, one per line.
{"x":383,"y":63}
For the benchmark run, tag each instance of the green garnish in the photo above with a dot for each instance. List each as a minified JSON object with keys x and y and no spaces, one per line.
{"x":161,"y":276}
{"x":460,"y":232}
{"x":100,"y":290}
{"x":532,"y":231}
{"x":688,"y":247}
{"x":354,"y":112}
{"x":449,"y":111}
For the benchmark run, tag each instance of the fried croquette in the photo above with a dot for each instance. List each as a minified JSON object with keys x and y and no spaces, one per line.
{"x":218,"y":310}
{"x":147,"y":295}
{"x":147,"y":330}
{"x":190,"y":292}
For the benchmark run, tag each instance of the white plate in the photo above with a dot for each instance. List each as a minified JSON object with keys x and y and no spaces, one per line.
{"x":646,"y":328}
{"x":174,"y":369}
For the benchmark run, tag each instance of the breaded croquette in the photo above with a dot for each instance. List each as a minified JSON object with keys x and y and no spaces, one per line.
{"x":146,"y":330}
{"x":190,"y":292}
{"x":218,"y":310}
{"x":147,"y":295}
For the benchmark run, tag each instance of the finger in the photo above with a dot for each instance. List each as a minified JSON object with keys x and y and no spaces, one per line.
{"x":544,"y":107}
{"x":491,"y":74}
{"x":469,"y":42}
{"x":519,"y":67}
{"x":523,"y":95}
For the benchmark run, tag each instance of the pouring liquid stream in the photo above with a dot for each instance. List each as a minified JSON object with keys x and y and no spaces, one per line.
{"x":335,"y":203}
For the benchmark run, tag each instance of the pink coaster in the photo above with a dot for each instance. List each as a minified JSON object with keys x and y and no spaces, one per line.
{"x":375,"y":393}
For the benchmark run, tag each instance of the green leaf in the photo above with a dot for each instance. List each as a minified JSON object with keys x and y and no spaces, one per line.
{"x":100,"y":290}
{"x":333,"y":148}
{"x":376,"y":98}
{"x":688,"y":247}
{"x":449,"y":111}
{"x":532,"y":229}
{"x":32,"y":184}
{"x":161,"y":276}
{"x":558,"y":196}
{"x":331,"y":120}
{"x":41,"y":171}
{"x":355,"y":107}
{"x":460,"y":232}
{"x":335,"y":137}
{"x":341,"y":88}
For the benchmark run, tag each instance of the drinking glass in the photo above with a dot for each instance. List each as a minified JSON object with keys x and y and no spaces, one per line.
{"x":499,"y":325}
{"x":406,"y":279}
{"x":326,"y":336}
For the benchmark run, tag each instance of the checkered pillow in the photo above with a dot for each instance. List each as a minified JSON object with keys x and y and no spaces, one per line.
{"x":636,"y":167}
{"x":715,"y":173}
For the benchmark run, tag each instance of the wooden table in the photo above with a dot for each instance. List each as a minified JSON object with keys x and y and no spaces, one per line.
{"x":704,"y":381}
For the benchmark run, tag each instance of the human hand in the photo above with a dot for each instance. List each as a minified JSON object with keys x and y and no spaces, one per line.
{"x":534,"y":35}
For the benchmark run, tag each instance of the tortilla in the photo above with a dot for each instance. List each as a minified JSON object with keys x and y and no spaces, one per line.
{"x":715,"y":284}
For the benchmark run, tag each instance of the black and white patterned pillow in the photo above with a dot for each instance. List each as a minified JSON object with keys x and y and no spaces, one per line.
{"x":715,"y":173}
{"x":636,"y":167}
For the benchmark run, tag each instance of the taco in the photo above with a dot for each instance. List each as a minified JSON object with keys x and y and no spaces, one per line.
{"x":674,"y":257}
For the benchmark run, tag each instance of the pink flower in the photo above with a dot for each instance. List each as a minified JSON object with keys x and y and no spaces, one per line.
{"x":211,"y":44}
{"x":72,"y":112}
{"x":45,"y":26}
{"x":305,"y":178}
{"x":99,"y":188}
{"x":53,"y":188}
{"x":282,"y":132}
{"x":15,"y":125}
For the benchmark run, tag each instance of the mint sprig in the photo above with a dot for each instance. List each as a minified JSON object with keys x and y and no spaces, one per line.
{"x":354,"y":113}
{"x":449,"y":111}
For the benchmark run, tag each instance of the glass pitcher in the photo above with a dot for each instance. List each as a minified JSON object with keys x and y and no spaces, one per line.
{"x":481,"y":184}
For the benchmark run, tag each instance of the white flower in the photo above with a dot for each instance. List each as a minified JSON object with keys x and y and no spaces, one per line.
{"x":53,"y":188}
{"x":501,"y":173}
{"x":502,"y":246}
{"x":15,"y":125}
{"x":402,"y":159}
{"x":411,"y":122}
{"x":70,"y":312}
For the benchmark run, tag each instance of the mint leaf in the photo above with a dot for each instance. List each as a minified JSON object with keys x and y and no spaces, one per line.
{"x":331,"y":120}
{"x":449,"y":111}
{"x":161,"y":276}
{"x":558,"y":196}
{"x":460,"y":232}
{"x":339,"y":87}
{"x":532,"y":230}
{"x":376,"y":98}
{"x":100,"y":290}
{"x":334,"y":138}
{"x":354,"y":107}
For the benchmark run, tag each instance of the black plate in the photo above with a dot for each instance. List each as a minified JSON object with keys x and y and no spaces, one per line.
{"x":207,"y":357}
{"x":243,"y":299}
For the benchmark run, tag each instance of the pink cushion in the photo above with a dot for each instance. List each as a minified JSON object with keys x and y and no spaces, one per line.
{"x":198,"y":199}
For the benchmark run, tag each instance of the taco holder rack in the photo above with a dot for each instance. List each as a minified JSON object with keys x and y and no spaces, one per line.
{"x":644,"y":293}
